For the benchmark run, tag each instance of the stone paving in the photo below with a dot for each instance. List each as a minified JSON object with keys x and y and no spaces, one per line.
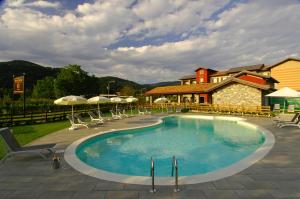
{"x":275,"y":176}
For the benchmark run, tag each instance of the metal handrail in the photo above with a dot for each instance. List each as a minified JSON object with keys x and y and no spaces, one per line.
{"x":173,"y":160}
{"x":152,"y":190}
{"x":175,"y":165}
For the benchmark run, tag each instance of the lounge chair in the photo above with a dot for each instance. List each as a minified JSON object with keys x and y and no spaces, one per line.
{"x":178,"y":109}
{"x":75,"y":124}
{"x":297,"y":123}
{"x":276,"y":108}
{"x":170,"y":110}
{"x":81,"y":120}
{"x":115,"y":116}
{"x":141,"y":112}
{"x":15,"y":148}
{"x":147,"y":112}
{"x":99,"y":119}
{"x":293,"y":120}
{"x":123,"y":114}
{"x":291,"y":108}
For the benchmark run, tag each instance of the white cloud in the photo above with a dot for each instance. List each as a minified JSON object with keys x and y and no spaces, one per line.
{"x":43,"y":4}
{"x":248,"y":33}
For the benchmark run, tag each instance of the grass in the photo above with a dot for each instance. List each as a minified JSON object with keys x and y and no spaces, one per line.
{"x":28,"y":133}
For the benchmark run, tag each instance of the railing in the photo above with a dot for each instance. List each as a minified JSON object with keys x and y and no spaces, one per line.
{"x":175,"y":169}
{"x":152,"y":190}
{"x":215,"y":108}
{"x":31,"y":118}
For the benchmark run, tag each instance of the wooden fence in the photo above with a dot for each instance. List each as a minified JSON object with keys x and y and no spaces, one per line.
{"x":215,"y":108}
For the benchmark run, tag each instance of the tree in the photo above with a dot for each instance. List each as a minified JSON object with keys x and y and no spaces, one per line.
{"x":127,"y":90}
{"x":44,"y":88}
{"x":72,"y":80}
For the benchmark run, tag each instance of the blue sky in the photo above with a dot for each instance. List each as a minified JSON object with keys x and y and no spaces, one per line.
{"x":149,"y":40}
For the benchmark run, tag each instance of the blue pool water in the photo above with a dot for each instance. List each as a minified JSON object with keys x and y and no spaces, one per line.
{"x":200,"y":146}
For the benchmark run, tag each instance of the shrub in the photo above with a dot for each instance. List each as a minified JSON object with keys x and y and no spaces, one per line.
{"x":185,"y":110}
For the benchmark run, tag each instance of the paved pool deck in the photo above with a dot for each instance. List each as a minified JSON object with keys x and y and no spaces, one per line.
{"x":275,"y":176}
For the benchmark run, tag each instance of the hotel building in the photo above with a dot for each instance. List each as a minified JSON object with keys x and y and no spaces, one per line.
{"x":246,"y":85}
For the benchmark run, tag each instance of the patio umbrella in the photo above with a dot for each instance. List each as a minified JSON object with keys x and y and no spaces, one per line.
{"x":98,"y":100}
{"x":285,"y":93}
{"x":71,"y":100}
{"x":130,"y":100}
{"x":160,"y":100}
{"x":117,"y":100}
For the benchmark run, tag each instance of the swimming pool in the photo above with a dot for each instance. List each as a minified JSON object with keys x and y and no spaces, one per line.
{"x":203,"y":146}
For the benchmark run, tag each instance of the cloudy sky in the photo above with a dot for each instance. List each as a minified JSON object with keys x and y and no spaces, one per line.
{"x":149,"y":40}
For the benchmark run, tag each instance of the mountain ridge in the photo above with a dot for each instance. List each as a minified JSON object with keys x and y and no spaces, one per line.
{"x":36,"y":72}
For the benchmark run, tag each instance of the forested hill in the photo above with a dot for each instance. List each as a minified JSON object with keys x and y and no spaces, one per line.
{"x":33,"y":72}
{"x":36,"y":72}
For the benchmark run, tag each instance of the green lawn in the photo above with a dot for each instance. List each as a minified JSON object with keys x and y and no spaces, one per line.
{"x":25,"y":134}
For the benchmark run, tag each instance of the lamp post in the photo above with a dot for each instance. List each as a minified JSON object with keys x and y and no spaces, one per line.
{"x":141,"y":95}
{"x":142,"y":91}
{"x":108,"y":87}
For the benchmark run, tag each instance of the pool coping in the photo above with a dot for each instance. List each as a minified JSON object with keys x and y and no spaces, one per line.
{"x":77,"y":164}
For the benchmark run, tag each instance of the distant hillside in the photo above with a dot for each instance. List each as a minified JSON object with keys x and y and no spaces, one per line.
{"x":33,"y":72}
{"x":36,"y":72}
{"x":117,"y":85}
{"x":171,"y":83}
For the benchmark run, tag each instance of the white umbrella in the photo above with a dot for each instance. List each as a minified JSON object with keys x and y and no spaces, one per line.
{"x":71,"y":100}
{"x":130,"y":100}
{"x":98,"y":100}
{"x":160,"y":100}
{"x":117,"y":100}
{"x":285,"y":93}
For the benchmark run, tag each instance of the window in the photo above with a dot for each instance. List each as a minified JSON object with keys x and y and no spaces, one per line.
{"x":201,"y":80}
{"x":215,"y":80}
{"x":201,"y":72}
{"x":194,"y":82}
{"x":201,"y":100}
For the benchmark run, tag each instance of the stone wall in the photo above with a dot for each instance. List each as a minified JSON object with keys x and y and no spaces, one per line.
{"x":237,"y":94}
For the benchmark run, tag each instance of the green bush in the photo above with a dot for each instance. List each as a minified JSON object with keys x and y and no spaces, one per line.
{"x":185,"y":110}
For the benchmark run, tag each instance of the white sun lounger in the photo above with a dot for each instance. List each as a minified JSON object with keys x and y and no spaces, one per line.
{"x":295,"y":123}
{"x":98,"y":119}
{"x":115,"y":116}
{"x":75,"y":124}
{"x":141,"y":112}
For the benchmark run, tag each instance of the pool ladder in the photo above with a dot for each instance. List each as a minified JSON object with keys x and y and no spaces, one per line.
{"x":174,"y":170}
{"x":152,"y":190}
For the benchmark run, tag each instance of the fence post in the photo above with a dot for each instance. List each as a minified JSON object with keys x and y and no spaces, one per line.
{"x":46,"y":116}
{"x":31,"y":117}
{"x":11,"y":116}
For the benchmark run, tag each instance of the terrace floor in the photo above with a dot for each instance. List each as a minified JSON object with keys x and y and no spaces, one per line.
{"x":275,"y":176}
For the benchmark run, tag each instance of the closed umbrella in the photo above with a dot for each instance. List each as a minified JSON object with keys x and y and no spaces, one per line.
{"x":130,"y":100}
{"x":285,"y":93}
{"x":117,"y":100}
{"x":98,"y":100}
{"x":71,"y":100}
{"x":161,"y":101}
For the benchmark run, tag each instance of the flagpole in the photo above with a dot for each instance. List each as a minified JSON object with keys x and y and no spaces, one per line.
{"x":24,"y":93}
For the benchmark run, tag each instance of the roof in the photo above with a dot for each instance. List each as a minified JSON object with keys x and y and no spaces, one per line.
{"x":208,"y":87}
{"x":188,"y":77}
{"x":285,"y":92}
{"x":181,"y":89}
{"x":219,"y":73}
{"x":201,"y":67}
{"x":281,"y":62}
{"x":257,"y":75}
{"x":241,"y":68}
{"x":237,"y":80}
